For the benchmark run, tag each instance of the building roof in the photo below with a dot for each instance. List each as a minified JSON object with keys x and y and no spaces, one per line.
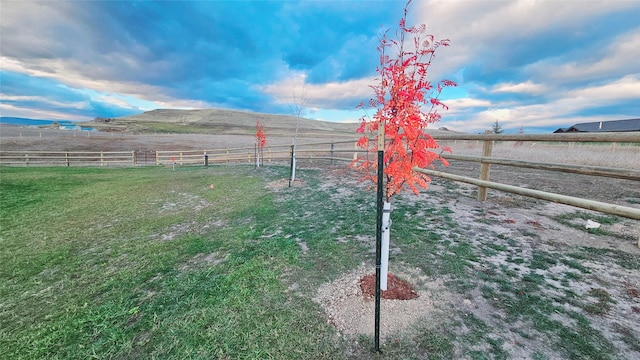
{"x":604,"y":126}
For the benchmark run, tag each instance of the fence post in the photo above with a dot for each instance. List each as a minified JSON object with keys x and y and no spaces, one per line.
{"x":487,"y":147}
{"x":26,"y":159}
{"x":66,"y":158}
{"x":101,"y":158}
{"x":332,"y":161}
{"x":355,"y":153}
{"x":133,"y":157}
{"x":206,"y":158}
{"x":292,"y":173}
{"x":181,"y":158}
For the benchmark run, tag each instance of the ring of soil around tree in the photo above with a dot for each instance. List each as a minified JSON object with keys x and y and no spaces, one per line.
{"x":281,"y":184}
{"x":350,"y":308}
{"x":397,"y":289}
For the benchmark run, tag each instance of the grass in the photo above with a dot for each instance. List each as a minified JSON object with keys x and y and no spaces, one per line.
{"x":151,"y":263}
{"x":85,"y":271}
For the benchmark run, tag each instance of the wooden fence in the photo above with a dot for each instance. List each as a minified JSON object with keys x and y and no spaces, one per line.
{"x":346,"y":151}
{"x":486,"y":160}
{"x":68,"y":158}
{"x":277,"y":153}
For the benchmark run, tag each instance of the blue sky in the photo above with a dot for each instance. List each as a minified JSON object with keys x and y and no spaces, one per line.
{"x":538,"y":65}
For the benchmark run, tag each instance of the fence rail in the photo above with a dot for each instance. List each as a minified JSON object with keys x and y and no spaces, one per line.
{"x":567,"y":168}
{"x":613,"y":209}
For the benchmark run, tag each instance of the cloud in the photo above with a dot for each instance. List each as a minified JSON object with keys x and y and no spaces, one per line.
{"x":579,"y":105}
{"x":627,"y":88}
{"x":205,"y":53}
{"x":518,"y":61}
{"x":485,"y":26}
{"x":20,"y":91}
{"x":527,"y":87}
{"x":537,"y":63}
{"x":619,"y":57}
{"x":331,"y":95}
{"x":36,"y":113}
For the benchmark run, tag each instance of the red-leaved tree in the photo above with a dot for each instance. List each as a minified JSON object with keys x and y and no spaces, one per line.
{"x":261,"y":141}
{"x":406,"y":102}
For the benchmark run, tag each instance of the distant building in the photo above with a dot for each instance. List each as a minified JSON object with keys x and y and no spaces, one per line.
{"x":604,"y":126}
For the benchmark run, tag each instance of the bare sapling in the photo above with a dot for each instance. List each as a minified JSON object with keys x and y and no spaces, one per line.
{"x":261,"y":141}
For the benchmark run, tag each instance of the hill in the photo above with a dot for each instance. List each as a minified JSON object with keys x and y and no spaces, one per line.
{"x":218,"y":121}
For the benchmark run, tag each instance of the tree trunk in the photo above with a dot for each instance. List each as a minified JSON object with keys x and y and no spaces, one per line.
{"x":386,"y":230}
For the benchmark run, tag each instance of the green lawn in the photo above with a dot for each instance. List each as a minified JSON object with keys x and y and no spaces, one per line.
{"x":120,"y":263}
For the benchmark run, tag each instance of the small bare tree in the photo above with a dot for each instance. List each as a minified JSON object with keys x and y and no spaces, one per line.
{"x":298,"y":105}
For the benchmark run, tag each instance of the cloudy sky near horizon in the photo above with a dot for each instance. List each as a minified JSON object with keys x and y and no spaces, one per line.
{"x":538,"y":65}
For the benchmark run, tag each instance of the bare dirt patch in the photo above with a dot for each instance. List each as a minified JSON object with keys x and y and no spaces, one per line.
{"x":202,"y":261}
{"x":281,"y":184}
{"x":352,"y":311}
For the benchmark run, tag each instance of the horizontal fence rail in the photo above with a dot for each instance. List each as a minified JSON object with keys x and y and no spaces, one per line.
{"x":612,"y":209}
{"x":247,"y":155}
{"x":488,"y":140}
{"x":567,"y":168}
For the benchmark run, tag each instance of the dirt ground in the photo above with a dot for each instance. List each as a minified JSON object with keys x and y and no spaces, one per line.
{"x":519,"y":227}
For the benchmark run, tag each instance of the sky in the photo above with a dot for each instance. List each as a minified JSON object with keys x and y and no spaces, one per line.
{"x":533,"y":66}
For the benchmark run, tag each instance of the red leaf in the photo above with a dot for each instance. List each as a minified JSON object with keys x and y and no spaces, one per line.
{"x":363,"y":125}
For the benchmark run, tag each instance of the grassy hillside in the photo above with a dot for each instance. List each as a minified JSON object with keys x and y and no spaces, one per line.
{"x":218,"y":121}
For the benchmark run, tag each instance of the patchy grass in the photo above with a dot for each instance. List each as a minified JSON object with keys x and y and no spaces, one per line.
{"x":86,"y":271}
{"x":146,"y":262}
